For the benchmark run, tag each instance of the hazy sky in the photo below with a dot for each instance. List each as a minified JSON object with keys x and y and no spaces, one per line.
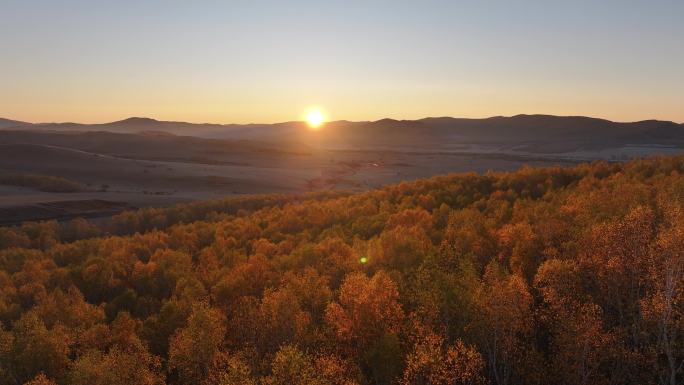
{"x":267,"y":61}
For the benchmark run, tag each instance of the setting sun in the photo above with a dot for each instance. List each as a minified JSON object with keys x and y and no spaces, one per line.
{"x":315,"y":119}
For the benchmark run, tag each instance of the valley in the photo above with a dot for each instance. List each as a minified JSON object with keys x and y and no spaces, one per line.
{"x":147,"y":163}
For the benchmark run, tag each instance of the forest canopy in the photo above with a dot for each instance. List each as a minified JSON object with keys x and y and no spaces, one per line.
{"x":546,"y":275}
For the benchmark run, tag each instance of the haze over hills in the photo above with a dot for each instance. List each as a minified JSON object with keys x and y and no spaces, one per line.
{"x":533,"y":133}
{"x":146,"y":162}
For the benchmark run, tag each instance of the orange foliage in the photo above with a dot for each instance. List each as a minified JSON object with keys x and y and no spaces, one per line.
{"x":367,"y":308}
{"x":571,"y":275}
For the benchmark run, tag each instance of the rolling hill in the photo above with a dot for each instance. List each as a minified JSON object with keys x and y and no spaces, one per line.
{"x":531,"y":133}
{"x":146,"y":162}
{"x":7,"y":123}
{"x":571,"y":274}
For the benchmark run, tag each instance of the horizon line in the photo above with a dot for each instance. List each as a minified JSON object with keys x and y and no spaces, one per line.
{"x":334,"y":121}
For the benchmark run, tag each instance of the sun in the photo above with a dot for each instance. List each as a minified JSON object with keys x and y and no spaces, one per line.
{"x":315,"y":119}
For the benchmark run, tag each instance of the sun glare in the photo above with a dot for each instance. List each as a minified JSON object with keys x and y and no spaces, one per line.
{"x":315,"y":119}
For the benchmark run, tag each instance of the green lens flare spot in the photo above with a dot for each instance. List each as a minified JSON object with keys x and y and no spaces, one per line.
{"x":363,"y":260}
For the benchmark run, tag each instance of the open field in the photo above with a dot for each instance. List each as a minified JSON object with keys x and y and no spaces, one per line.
{"x":142,"y":183}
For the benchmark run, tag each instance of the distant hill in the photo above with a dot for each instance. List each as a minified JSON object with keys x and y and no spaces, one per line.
{"x":4,"y":123}
{"x":531,"y":133}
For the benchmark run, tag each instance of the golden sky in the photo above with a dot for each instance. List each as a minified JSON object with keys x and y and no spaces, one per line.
{"x":268,"y":61}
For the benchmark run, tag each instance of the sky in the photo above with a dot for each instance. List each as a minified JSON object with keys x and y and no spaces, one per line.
{"x":269,"y":61}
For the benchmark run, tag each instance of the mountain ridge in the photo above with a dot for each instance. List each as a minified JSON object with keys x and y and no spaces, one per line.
{"x":531,"y":131}
{"x":12,"y":123}
{"x":148,"y":120}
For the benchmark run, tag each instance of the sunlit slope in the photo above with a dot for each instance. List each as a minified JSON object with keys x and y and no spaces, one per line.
{"x":479,"y":279}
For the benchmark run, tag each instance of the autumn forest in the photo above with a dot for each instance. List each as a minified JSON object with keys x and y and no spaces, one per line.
{"x":542,"y":276}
